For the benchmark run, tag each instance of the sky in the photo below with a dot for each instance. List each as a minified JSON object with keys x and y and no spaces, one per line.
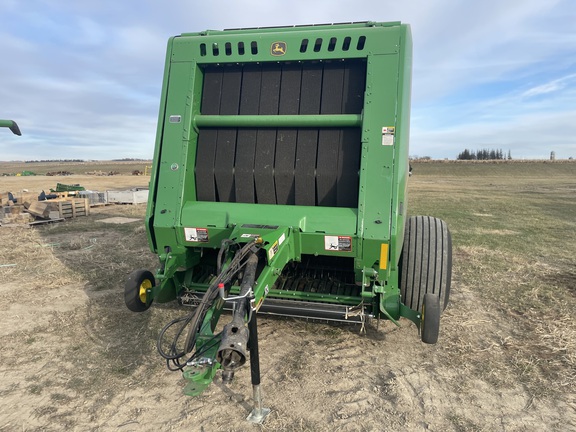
{"x":83,"y":78}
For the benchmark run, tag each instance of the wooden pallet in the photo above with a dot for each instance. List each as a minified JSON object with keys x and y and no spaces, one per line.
{"x":71,"y":208}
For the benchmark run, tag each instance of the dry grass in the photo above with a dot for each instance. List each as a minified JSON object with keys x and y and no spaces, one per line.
{"x":30,"y":259}
{"x":515,"y":245}
{"x":77,"y":359}
{"x":79,"y":168}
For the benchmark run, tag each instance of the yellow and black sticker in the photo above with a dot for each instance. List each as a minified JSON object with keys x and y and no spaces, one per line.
{"x":272,"y":251}
{"x":278,"y":48}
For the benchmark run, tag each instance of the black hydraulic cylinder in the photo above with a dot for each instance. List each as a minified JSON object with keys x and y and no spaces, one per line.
{"x":254,"y":356}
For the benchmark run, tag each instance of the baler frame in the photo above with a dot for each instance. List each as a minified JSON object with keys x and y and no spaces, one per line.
{"x":277,"y":150}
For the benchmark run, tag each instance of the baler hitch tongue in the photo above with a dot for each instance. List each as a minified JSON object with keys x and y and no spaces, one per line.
{"x":232,"y":352}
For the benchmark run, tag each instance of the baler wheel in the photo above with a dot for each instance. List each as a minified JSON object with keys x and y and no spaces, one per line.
{"x":135,"y":290}
{"x":430,"y":324}
{"x":426,"y":262}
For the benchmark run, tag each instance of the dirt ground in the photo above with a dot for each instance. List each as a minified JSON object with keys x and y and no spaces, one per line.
{"x":74,"y":358}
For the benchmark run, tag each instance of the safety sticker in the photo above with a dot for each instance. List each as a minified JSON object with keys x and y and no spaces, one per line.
{"x":338,"y":243}
{"x":388,"y":133}
{"x":272,"y":251}
{"x":196,"y":235}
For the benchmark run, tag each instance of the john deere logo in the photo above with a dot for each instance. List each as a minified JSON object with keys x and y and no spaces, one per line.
{"x":278,"y":48}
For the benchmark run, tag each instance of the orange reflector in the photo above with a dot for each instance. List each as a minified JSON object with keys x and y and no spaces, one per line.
{"x":383,"y":256}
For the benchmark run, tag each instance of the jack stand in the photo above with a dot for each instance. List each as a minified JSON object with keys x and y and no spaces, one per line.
{"x":258,"y":414}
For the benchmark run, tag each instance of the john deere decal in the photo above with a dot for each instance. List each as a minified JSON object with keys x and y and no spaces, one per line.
{"x":278,"y":48}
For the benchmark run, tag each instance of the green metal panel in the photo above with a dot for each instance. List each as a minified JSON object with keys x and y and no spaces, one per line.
{"x":307,"y":219}
{"x":282,"y":121}
{"x":401,"y":165}
{"x":323,"y":42}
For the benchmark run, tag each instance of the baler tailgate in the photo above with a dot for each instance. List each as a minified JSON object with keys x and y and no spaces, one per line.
{"x":270,"y":165}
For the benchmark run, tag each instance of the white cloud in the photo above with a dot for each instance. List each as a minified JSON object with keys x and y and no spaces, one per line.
{"x":550,"y":87}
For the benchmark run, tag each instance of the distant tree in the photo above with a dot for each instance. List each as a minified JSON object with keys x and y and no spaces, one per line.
{"x":509,"y":155}
{"x":482,"y":154}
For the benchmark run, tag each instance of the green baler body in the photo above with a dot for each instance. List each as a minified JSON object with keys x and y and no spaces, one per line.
{"x":298,"y":135}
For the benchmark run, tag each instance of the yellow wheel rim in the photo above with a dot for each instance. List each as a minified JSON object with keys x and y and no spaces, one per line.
{"x":423,"y":312}
{"x":144,"y":286}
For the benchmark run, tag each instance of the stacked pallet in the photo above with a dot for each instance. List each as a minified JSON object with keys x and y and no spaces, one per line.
{"x":71,"y":208}
{"x":64,"y":208}
{"x":14,"y":215}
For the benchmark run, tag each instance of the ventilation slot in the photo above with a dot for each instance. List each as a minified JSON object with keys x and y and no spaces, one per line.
{"x":254,"y":47}
{"x":215,"y":50}
{"x":203,"y":50}
{"x":346,"y":43}
{"x":332,"y":44}
{"x":241,"y":48}
{"x":304,"y":45}
{"x":318,"y":45}
{"x":361,"y":43}
{"x":228,"y":48}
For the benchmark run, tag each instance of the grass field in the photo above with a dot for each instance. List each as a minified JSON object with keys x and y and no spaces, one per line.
{"x":514,"y":229}
{"x":79,"y":168}
{"x":74,"y":358}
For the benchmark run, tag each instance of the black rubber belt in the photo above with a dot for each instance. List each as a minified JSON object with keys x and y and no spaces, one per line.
{"x":307,"y":141}
{"x":286,"y":138}
{"x":266,"y":138}
{"x":226,"y":142}
{"x":246,"y":144}
{"x":206,"y":151}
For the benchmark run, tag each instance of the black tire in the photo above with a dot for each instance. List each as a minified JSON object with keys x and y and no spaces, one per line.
{"x":430,"y":324}
{"x":135,"y":290}
{"x":426,"y":261}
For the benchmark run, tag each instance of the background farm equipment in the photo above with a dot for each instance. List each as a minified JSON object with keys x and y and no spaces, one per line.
{"x":279,"y":186}
{"x":11,"y":124}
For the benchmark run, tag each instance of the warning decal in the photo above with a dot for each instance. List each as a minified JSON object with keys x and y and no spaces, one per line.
{"x":272,"y":251}
{"x":250,"y":236}
{"x":388,"y":135}
{"x":196,"y":235}
{"x":338,"y":243}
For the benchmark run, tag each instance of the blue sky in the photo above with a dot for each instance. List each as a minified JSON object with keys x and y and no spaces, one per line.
{"x":82,"y":79}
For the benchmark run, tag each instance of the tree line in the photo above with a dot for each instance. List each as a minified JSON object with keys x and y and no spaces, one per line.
{"x":484,"y":154}
{"x":54,"y":160}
